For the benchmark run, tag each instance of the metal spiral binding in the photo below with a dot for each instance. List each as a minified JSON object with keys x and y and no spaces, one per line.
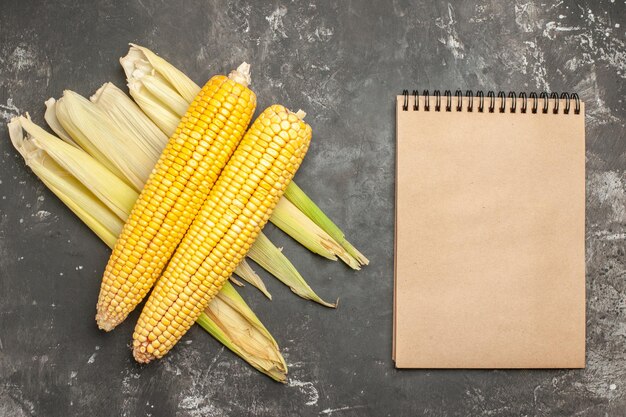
{"x":491,"y":95}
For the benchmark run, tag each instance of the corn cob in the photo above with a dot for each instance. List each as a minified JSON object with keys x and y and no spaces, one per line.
{"x":233,"y":215}
{"x":147,"y":74}
{"x":123,"y":114}
{"x":182,"y":178}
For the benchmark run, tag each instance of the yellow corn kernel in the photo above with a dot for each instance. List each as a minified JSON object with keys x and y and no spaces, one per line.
{"x":232,"y":232}
{"x":181,"y":180}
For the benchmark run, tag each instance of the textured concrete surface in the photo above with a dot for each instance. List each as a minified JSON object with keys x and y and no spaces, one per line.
{"x":342,"y":62}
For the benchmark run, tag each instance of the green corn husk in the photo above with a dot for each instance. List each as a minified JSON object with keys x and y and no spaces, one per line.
{"x":308,"y":207}
{"x":290,"y":219}
{"x":266,"y":254}
{"x":153,"y":86}
{"x":131,"y":113}
{"x":227,"y":318}
{"x":261,"y":348}
{"x":245,"y":271}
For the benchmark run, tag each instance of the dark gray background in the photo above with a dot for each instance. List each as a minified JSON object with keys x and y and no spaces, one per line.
{"x":342,"y":62}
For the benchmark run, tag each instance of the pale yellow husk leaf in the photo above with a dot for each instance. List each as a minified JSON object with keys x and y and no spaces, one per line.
{"x":227,"y":318}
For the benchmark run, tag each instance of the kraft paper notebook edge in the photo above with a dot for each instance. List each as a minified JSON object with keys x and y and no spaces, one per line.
{"x":576,"y":184}
{"x":395,"y":248}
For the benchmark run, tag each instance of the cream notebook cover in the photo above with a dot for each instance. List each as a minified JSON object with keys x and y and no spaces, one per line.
{"x":490,"y":232}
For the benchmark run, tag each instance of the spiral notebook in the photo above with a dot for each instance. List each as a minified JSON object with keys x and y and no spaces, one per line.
{"x":490,"y":231}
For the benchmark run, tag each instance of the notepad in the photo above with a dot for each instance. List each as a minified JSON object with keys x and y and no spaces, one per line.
{"x":490,"y":231}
